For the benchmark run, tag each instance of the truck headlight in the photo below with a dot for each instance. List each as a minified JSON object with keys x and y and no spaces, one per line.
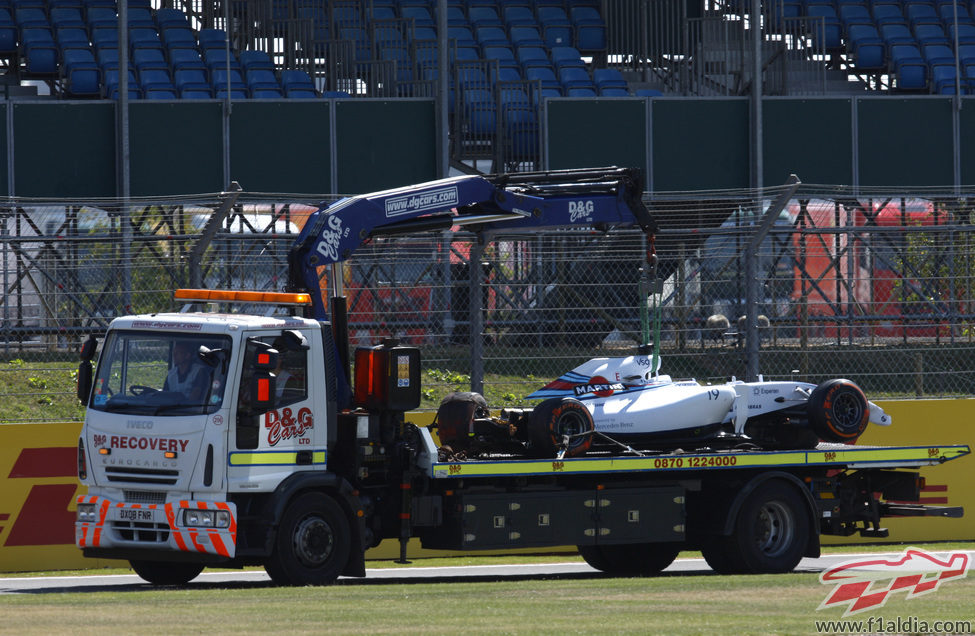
{"x":206,"y":518}
{"x":86,"y":513}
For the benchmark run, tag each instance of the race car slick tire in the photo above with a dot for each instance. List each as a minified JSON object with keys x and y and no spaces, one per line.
{"x":166,"y":572}
{"x":312,"y":544}
{"x":555,"y":418}
{"x":635,"y":559}
{"x":838,"y":411}
{"x":771,"y":531}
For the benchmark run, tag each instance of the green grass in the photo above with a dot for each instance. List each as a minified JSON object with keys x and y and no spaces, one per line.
{"x":590,"y":604}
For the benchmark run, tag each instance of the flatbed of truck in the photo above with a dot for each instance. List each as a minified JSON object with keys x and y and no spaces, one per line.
{"x":825,"y":455}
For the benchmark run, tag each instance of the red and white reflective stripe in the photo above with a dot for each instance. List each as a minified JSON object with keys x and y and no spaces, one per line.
{"x":185,"y":538}
{"x":96,"y":529}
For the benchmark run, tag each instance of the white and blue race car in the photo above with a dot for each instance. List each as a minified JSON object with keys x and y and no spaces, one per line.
{"x":622,"y":403}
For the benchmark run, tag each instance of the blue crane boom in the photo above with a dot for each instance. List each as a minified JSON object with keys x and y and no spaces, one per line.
{"x":596,"y":197}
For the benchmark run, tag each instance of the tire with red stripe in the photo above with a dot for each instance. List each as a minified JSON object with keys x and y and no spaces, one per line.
{"x":557,"y":419}
{"x":838,"y":411}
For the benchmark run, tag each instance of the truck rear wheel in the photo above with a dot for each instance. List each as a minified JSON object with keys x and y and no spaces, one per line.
{"x":556,"y":418}
{"x":637,"y":559}
{"x":838,"y":411}
{"x":166,"y":572}
{"x":770,"y":533}
{"x":312,"y":544}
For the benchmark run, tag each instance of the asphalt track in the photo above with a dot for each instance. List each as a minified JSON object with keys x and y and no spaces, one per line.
{"x":419,"y":574}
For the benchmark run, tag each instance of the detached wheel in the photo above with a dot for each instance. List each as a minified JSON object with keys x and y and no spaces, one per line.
{"x":166,"y":572}
{"x":838,"y":411}
{"x":637,"y":559}
{"x":770,"y":532}
{"x":312,"y":544}
{"x":553,"y":420}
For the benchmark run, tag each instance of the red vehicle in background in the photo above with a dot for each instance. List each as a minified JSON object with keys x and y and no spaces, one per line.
{"x":885,"y":267}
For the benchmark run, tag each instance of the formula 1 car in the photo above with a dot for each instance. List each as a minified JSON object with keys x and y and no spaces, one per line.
{"x":621,"y":403}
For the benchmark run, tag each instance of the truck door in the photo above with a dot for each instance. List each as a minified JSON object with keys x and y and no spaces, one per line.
{"x":273,"y":440}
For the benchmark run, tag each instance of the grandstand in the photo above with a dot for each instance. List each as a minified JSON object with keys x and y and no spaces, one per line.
{"x":504,"y":57}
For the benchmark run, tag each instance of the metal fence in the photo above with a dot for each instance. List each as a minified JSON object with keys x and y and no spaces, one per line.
{"x":872,"y":285}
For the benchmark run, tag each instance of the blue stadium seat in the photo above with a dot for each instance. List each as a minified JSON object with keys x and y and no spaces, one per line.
{"x":503,"y":54}
{"x":921,"y":13}
{"x":388,"y":35}
{"x":171,"y":18}
{"x":192,"y":79}
{"x":544,"y":75}
{"x":31,"y":18}
{"x":263,"y":84}
{"x":72,"y":38}
{"x":894,"y":33}
{"x":613,"y":91}
{"x":141,"y":18}
{"x":401,"y":60}
{"x":194,"y":93}
{"x":566,"y":56}
{"x":174,"y":37}
{"x":648,"y":92}
{"x":144,"y":38}
{"x":62,"y":17}
{"x":581,"y":91}
{"x":526,"y":36}
{"x":253,"y":60}
{"x":484,"y":16}
{"x":826,"y":26}
{"x":910,"y":69}
{"x":481,"y":112}
{"x":297,"y":84}
{"x":346,"y":15}
{"x":110,"y":81}
{"x":556,"y":27}
{"x":8,"y":33}
{"x":518,"y":15}
{"x":335,"y":95}
{"x":157,"y":84}
{"x":218,"y":58}
{"x":491,"y":36}
{"x":462,"y":36}
{"x":606,"y":78}
{"x":101,"y":18}
{"x":145,"y":59}
{"x":104,"y":38}
{"x":590,"y":30}
{"x":40,"y":51}
{"x":943,"y":80}
{"x":212,"y":39}
{"x":530,"y":56}
{"x":185,"y":59}
{"x":455,"y":16}
{"x":927,"y":33}
{"x":419,"y":14}
{"x":575,"y":77}
{"x":966,"y":33}
{"x":80,"y":74}
{"x":888,"y":13}
{"x":868,"y":49}
{"x":218,"y":81}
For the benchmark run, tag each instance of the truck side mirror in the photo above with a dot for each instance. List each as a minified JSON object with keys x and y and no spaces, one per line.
{"x":87,"y":354}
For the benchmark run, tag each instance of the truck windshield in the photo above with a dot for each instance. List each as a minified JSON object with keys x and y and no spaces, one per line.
{"x":161,"y":373}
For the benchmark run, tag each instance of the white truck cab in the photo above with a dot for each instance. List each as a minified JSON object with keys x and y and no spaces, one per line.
{"x":170,"y":437}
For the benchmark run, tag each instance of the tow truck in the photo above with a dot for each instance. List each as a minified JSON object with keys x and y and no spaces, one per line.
{"x":266,"y":448}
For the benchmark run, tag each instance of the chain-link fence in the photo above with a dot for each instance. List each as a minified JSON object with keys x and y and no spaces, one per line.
{"x":872,"y":285}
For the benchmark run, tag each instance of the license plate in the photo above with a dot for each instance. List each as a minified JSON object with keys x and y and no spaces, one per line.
{"x":135,"y":514}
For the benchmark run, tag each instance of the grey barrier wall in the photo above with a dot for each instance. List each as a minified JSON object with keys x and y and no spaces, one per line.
{"x":61,"y":149}
{"x":68,"y":149}
{"x":703,"y":143}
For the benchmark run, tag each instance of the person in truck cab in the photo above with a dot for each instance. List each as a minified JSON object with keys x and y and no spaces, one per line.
{"x":186,"y":376}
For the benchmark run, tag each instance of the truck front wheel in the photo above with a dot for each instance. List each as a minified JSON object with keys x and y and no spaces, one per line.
{"x":312,"y":544}
{"x":166,"y":572}
{"x":638,"y":559}
{"x":770,"y":532}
